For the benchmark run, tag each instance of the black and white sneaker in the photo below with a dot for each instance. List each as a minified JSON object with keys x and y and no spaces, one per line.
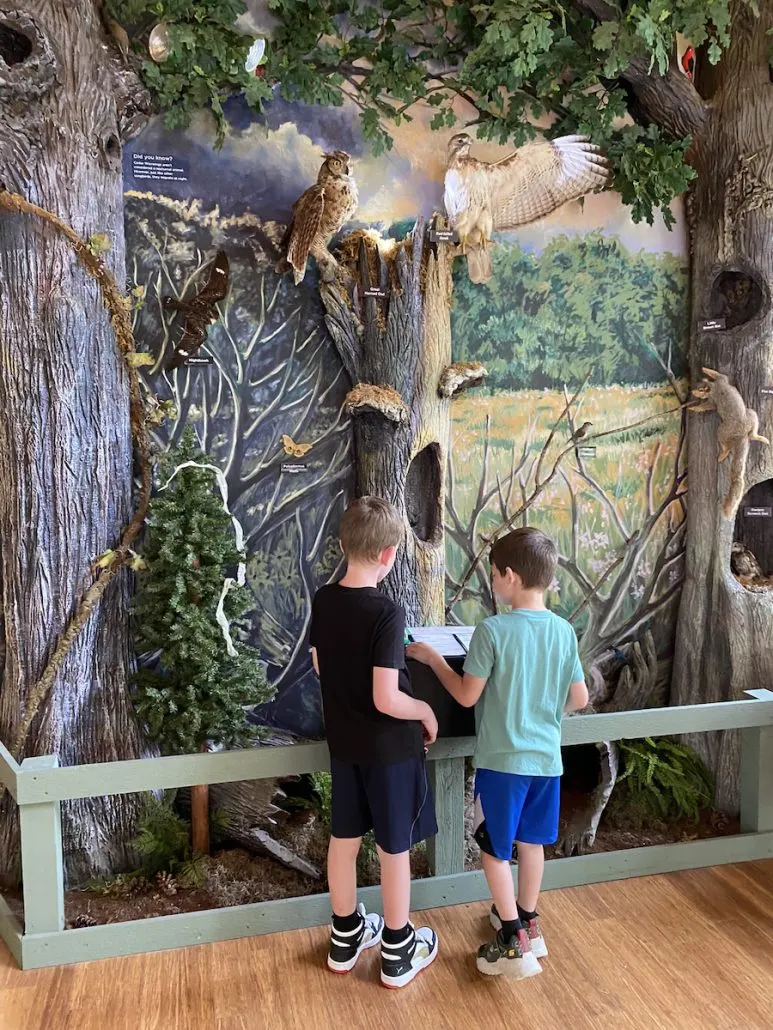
{"x":400,"y":963}
{"x":346,"y":948}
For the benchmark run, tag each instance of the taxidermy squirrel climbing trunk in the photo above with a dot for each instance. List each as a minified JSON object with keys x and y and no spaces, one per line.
{"x":725,"y":637}
{"x":389,"y":314}
{"x":66,"y":102}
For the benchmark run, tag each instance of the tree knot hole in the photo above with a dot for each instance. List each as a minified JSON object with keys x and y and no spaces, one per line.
{"x":15,"y":47}
{"x":423,"y":487}
{"x":736,"y":297}
{"x":751,"y":554}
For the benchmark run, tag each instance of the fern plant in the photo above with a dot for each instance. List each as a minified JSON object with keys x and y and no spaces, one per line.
{"x":164,"y":842}
{"x":664,"y":779}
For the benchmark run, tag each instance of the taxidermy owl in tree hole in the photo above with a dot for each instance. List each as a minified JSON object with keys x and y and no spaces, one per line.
{"x":200,"y":311}
{"x":318,"y":215}
{"x":530,"y":183}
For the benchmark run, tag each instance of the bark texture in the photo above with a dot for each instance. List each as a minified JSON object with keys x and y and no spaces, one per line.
{"x":725,"y":633}
{"x":395,"y":349}
{"x":65,"y":441}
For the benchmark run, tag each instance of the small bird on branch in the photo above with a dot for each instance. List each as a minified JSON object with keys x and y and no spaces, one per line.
{"x":584,"y":429}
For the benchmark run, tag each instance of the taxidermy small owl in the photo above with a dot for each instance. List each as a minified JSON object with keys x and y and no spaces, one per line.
{"x":528,"y":184}
{"x":318,"y":215}
{"x":200,"y":311}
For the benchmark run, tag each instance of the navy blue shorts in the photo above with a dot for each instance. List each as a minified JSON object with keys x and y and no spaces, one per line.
{"x":510,"y":808}
{"x":393,"y":800}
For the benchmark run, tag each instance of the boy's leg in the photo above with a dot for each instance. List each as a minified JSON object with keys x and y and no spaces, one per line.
{"x":395,"y":888}
{"x":499,"y":799}
{"x":531,"y":866}
{"x":403,"y":810}
{"x":342,"y":874}
{"x":538,"y":826}
{"x":353,"y":929}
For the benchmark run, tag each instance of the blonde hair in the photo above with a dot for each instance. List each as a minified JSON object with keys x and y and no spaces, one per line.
{"x":370,"y":525}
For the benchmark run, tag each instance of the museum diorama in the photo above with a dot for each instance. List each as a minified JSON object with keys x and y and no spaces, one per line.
{"x":503,"y":264}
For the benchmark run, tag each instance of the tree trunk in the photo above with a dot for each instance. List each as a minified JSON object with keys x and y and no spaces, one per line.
{"x":200,"y":814}
{"x":396,"y":348}
{"x":725,"y":633}
{"x":65,"y":443}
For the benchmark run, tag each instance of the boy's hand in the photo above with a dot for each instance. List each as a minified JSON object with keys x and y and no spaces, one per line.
{"x":422,"y":653}
{"x":430,"y":727}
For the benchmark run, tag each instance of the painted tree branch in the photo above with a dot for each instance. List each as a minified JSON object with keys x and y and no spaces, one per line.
{"x":120,"y":320}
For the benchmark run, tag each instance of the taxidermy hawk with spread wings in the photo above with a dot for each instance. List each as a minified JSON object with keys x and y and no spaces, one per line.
{"x":200,"y":311}
{"x":318,"y":215}
{"x":528,"y":184}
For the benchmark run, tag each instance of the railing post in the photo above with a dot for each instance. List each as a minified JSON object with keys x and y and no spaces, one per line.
{"x":41,"y":858}
{"x":756,"y":779}
{"x":446,"y":851}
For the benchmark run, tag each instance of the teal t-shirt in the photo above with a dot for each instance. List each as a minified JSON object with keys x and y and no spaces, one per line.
{"x":528,"y":659}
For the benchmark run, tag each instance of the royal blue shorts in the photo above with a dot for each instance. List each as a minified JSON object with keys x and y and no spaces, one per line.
{"x":394,"y":800}
{"x":510,"y":808}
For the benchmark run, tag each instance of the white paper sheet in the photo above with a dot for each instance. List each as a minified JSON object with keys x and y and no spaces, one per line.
{"x":450,"y":641}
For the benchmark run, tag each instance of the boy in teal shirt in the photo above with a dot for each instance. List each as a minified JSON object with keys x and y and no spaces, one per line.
{"x":524,"y":669}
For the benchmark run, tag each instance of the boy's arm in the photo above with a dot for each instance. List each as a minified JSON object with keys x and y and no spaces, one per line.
{"x":390,"y":700}
{"x":465,"y":690}
{"x":315,"y":660}
{"x":578,"y":697}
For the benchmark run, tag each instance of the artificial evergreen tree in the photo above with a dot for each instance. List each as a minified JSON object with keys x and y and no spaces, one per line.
{"x":194,"y":684}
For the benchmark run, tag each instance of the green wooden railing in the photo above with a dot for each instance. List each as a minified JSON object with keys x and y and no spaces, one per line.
{"x":39,"y":786}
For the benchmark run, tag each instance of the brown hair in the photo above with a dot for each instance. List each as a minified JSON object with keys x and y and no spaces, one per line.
{"x":529,"y":552}
{"x":368,"y":527}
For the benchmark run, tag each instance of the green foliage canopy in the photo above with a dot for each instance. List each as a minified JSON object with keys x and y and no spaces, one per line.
{"x":514,"y":61}
{"x":585,"y":304}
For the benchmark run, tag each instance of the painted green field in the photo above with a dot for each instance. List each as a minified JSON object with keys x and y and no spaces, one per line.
{"x":604,"y":510}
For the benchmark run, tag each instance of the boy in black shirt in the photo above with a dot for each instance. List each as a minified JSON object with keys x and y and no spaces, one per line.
{"x":377,"y":732}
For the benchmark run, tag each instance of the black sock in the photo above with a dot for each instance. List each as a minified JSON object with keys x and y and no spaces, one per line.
{"x":391,"y":936}
{"x":524,"y":916}
{"x":345,"y":924}
{"x":510,"y":928}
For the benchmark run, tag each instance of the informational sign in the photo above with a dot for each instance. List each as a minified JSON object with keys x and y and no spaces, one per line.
{"x":160,"y":167}
{"x":767,"y":391}
{"x":450,"y":641}
{"x":586,"y":452}
{"x":374,"y":291}
{"x":442,"y":236}
{"x":199,"y":359}
{"x":713,"y":325}
{"x":293,"y":468}
{"x":758,"y":513}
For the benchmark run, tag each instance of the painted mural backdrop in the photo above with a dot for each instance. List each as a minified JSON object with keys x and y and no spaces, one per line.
{"x":584,"y":297}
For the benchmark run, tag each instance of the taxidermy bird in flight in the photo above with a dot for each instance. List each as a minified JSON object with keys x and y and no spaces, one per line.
{"x":200,"y":311}
{"x":318,"y":215}
{"x":534,"y":181}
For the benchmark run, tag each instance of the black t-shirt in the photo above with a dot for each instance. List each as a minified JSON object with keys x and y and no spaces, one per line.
{"x":355,"y":630}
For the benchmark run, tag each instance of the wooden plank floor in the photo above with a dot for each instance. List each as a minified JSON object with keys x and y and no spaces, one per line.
{"x":691,"y":951}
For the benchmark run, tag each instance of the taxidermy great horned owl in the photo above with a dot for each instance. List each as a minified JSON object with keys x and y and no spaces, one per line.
{"x":528,"y":184}
{"x":318,"y":215}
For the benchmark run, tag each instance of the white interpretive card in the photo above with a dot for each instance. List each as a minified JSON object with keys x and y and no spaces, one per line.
{"x":450,"y":641}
